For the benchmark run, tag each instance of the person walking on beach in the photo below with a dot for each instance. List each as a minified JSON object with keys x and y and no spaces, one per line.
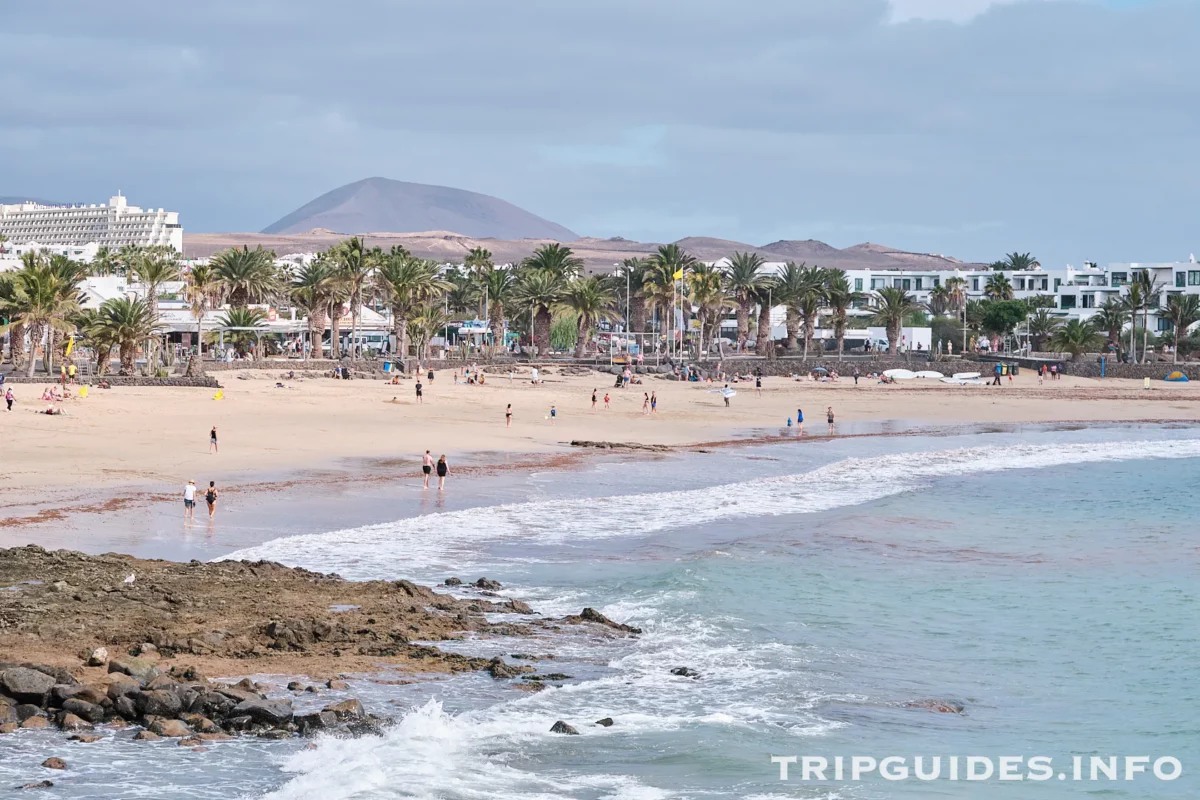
{"x":725,"y":395}
{"x":996,"y":372}
{"x":212,"y":441}
{"x":654,"y":402}
{"x":758,"y":385}
{"x":430,"y":376}
{"x":427,"y":467}
{"x":210,"y":497}
{"x":593,"y":399}
{"x":856,"y":376}
{"x":442,"y":471}
{"x":189,"y":500}
{"x":8,"y":397}
{"x":553,"y":414}
{"x":829,"y":417}
{"x":800,"y":420}
{"x":605,"y":399}
{"x":508,"y":416}
{"x":645,"y":403}
{"x":420,"y":397}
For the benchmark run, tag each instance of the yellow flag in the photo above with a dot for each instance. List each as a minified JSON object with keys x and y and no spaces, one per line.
{"x":220,"y":395}
{"x":70,"y":345}
{"x":678,"y":275}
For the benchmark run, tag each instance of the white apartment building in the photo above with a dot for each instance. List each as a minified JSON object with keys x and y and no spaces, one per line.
{"x":113,"y":225}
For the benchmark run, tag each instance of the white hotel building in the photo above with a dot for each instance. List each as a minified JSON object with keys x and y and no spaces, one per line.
{"x":1077,"y":293}
{"x":113,"y":225}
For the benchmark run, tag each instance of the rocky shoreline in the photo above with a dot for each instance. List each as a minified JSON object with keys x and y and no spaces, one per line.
{"x":120,"y":641}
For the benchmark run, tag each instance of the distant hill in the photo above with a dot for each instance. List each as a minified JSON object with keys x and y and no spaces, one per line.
{"x":16,"y":199}
{"x":380,"y":205}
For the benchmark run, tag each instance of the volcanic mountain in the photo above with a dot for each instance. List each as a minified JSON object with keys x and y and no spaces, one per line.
{"x":380,"y":205}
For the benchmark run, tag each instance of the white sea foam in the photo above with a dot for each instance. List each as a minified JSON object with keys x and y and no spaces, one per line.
{"x":453,"y":540}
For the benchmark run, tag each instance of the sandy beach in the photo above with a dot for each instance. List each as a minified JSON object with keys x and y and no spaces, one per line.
{"x":123,"y":447}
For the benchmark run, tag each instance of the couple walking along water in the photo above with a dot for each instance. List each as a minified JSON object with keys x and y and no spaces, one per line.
{"x":428,"y":467}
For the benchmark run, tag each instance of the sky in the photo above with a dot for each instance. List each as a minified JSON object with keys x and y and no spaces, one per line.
{"x":973,"y":128}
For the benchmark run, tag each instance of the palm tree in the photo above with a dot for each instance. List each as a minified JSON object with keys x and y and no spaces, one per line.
{"x":477,"y":263}
{"x":201,"y":290}
{"x":1076,"y":338}
{"x":1184,"y":311}
{"x":891,"y":306}
{"x":792,"y":287}
{"x":765,"y":300}
{"x":240,"y":325}
{"x":463,"y":291}
{"x":1019,"y":261}
{"x":839,"y":297}
{"x":500,"y":285}
{"x":706,"y":290}
{"x":1111,"y":317}
{"x":311,"y":292}
{"x":48,"y":302}
{"x":541,"y":290}
{"x":126,"y":322}
{"x":354,"y":265}
{"x":556,"y":259}
{"x":939,"y":300}
{"x":1041,"y":324}
{"x":743,"y":277}
{"x":661,"y":290}
{"x":632,"y":276}
{"x":105,"y":262}
{"x":12,"y":300}
{"x":152,"y":270}
{"x":592,"y":300}
{"x":245,"y":275}
{"x":998,"y":287}
{"x":431,"y":320}
{"x":671,"y":263}
{"x":1149,"y":291}
{"x":99,"y":337}
{"x":407,"y":285}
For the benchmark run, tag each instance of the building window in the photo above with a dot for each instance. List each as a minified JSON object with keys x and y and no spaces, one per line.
{"x":1194,"y":277}
{"x":1180,"y":279}
{"x":1057,"y":283}
{"x":1164,"y":324}
{"x":1066,"y":301}
{"x":858,"y":284}
{"x":937,"y":281}
{"x":1020,"y":284}
{"x":1120,"y":278}
{"x":918,"y":284}
{"x":878,"y":283}
{"x":974,"y":284}
{"x":1089,"y":301}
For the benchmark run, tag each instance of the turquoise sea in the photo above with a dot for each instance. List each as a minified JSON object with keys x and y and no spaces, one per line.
{"x":1046,"y":580}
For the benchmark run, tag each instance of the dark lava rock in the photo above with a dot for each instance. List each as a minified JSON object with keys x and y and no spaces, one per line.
{"x":500,"y":670}
{"x":38,"y":785}
{"x":54,"y":763}
{"x":265,"y":712}
{"x":26,"y":685}
{"x":607,"y":722}
{"x":564,"y":728}
{"x":141,"y":671}
{"x":490,"y":585}
{"x":81,"y":708}
{"x":318,"y":721}
{"x":346,"y":710}
{"x":452,"y":582}
{"x":685,"y":672}
{"x":595,"y":617}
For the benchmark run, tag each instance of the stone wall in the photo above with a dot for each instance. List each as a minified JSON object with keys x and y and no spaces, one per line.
{"x":207,"y":381}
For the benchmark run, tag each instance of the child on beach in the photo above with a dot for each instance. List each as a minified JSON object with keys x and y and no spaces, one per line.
{"x":8,"y":398}
{"x":553,"y":414}
{"x":606,"y":399}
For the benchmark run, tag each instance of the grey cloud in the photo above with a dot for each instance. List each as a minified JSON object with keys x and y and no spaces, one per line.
{"x":1061,"y":127}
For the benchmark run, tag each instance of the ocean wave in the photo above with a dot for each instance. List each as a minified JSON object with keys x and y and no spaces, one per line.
{"x":453,"y":540}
